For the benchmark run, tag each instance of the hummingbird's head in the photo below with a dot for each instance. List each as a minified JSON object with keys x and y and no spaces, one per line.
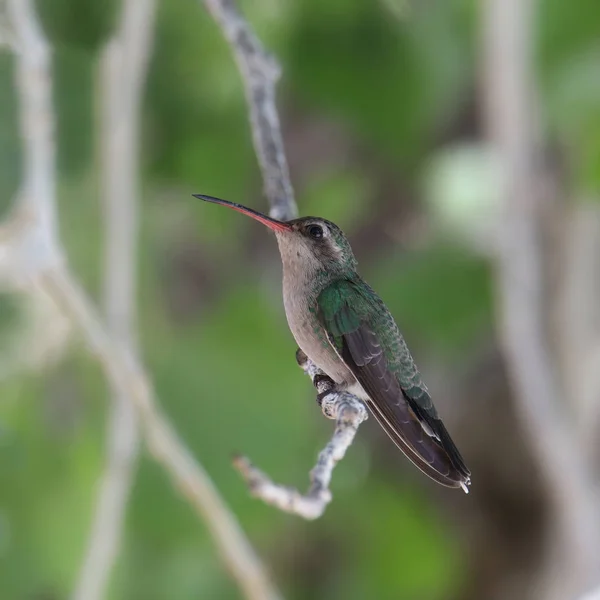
{"x":317,"y":244}
{"x":305,"y":244}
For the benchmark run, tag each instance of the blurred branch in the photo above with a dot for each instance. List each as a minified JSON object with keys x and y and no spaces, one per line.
{"x":580,"y":317}
{"x":39,"y":253}
{"x":593,"y":595}
{"x":349,"y":413}
{"x":522,"y":286}
{"x":260,"y":73}
{"x":6,"y":36}
{"x":122,"y":73}
{"x":127,"y":376}
{"x":33,"y":230}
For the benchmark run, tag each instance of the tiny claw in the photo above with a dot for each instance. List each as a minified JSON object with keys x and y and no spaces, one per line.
{"x":328,"y":401}
{"x":301,"y":358}
{"x":320,"y":380}
{"x":321,"y":397}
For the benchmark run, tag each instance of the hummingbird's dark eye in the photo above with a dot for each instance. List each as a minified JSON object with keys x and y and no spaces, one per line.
{"x":315,"y":231}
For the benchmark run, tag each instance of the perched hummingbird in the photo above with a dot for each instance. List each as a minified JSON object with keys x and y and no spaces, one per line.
{"x":343,"y":326}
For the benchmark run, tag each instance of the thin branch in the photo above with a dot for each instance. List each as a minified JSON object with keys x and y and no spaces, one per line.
{"x":349,"y":413}
{"x":580,"y":318}
{"x":122,"y":72}
{"x":522,"y":287}
{"x":593,"y":595}
{"x":126,"y":374}
{"x":260,"y":72}
{"x":7,"y":38}
{"x":36,"y":199}
{"x":41,"y":256}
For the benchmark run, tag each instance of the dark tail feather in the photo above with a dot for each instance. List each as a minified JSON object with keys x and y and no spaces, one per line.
{"x":438,"y":428}
{"x":452,"y":450}
{"x":427,"y":454}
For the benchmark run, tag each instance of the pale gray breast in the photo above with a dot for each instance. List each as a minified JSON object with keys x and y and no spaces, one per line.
{"x":309,"y":333}
{"x":299,"y":269}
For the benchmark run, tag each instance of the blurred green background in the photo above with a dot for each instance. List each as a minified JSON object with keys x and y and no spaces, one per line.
{"x":380,"y":106}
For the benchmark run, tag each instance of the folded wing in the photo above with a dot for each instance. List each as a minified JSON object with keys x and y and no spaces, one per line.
{"x":367,"y":339}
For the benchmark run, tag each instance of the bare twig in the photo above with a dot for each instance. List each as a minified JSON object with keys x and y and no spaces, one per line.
{"x":593,"y":595}
{"x":122,"y":71}
{"x":522,"y":287}
{"x":349,"y":413}
{"x":36,"y":246}
{"x":39,"y":251}
{"x":7,"y":38}
{"x":126,"y":374}
{"x":260,"y":73}
{"x":580,"y":318}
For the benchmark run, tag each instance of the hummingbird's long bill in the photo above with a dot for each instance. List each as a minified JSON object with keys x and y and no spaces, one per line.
{"x":273,"y":224}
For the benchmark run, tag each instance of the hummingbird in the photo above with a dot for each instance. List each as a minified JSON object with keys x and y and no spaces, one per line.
{"x":346,"y":330}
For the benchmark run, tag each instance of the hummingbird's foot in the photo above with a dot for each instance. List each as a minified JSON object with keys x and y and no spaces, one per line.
{"x":324,"y":384}
{"x":301,"y":358}
{"x":321,"y":397}
{"x":321,"y":381}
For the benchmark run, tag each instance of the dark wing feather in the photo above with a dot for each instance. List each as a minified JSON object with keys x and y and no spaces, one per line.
{"x":405,"y":412}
